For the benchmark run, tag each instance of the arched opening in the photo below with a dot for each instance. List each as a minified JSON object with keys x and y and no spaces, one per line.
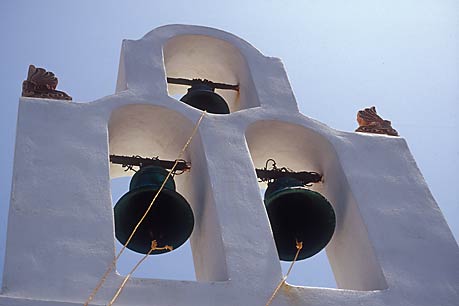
{"x":205,"y":57}
{"x":348,"y":261}
{"x":151,"y":131}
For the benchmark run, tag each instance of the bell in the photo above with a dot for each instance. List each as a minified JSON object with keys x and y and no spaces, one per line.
{"x":202,"y":96}
{"x":298,"y":214}
{"x":170,"y":220}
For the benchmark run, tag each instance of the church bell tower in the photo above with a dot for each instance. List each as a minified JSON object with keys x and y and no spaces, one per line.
{"x":201,"y":120}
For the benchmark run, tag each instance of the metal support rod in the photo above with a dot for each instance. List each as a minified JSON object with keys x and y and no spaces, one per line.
{"x":303,"y":176}
{"x":142,"y":161}
{"x":181,"y":81}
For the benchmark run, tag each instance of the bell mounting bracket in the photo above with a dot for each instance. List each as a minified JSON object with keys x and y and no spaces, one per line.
{"x":129,"y":162}
{"x":194,"y":82}
{"x":269,"y":175}
{"x":264,"y":174}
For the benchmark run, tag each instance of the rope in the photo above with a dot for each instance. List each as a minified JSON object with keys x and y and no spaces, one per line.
{"x":113,"y":264}
{"x":299,"y":246}
{"x":154,"y":246}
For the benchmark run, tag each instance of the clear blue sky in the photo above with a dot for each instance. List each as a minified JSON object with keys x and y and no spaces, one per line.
{"x":341,"y":56}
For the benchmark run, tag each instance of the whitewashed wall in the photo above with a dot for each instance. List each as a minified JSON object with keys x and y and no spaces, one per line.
{"x":391,"y":245}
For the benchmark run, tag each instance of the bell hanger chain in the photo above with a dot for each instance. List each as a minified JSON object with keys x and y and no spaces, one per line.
{"x":269,"y":175}
{"x":213,"y":85}
{"x":129,"y":162}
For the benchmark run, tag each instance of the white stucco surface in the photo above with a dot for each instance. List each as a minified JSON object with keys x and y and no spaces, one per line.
{"x":391,"y":245}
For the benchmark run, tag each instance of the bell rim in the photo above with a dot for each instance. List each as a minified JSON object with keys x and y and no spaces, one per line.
{"x":168,"y":192}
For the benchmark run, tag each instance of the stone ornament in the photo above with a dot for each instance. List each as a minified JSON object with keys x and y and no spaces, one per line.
{"x":42,"y":84}
{"x":370,"y":122}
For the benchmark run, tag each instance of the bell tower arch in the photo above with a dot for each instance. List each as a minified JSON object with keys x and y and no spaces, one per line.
{"x":382,"y":252}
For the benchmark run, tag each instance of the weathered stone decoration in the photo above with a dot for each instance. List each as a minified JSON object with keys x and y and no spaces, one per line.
{"x":370,"y":122}
{"x":42,"y":84}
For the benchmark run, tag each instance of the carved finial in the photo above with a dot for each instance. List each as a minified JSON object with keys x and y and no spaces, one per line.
{"x":42,"y":84}
{"x":370,"y":122}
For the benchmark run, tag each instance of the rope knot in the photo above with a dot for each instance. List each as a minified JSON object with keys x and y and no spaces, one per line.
{"x":154,"y":247}
{"x":299,"y":245}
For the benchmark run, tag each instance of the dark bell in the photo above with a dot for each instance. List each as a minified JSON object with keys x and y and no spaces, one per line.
{"x":203,"y":97}
{"x":298,"y":214}
{"x":170,"y":220}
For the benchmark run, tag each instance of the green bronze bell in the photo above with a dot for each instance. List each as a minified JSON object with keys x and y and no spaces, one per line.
{"x":202,"y":96}
{"x":298,"y":214}
{"x":170,"y":220}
